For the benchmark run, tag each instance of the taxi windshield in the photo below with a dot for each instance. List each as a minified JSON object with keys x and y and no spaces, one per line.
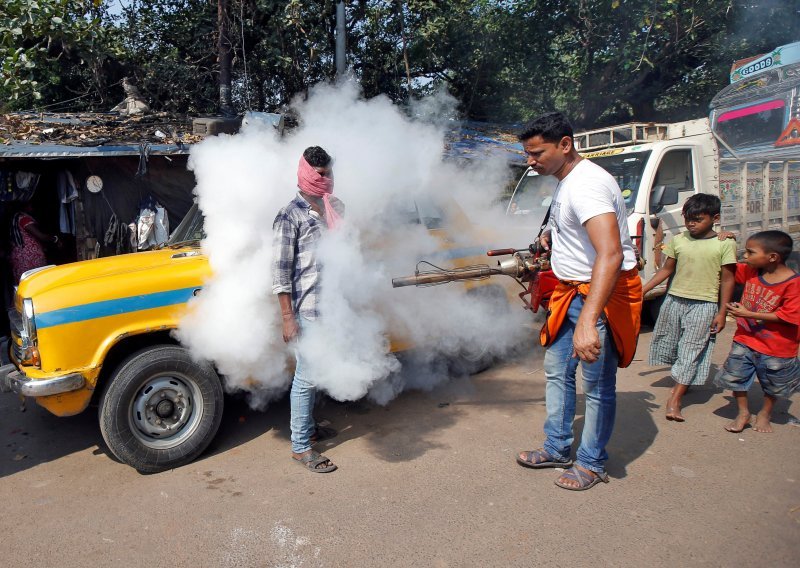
{"x":189,"y":230}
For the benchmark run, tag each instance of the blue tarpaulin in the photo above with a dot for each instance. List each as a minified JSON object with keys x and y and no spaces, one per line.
{"x":475,"y":140}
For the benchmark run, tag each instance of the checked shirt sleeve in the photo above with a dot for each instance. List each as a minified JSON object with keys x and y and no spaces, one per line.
{"x":284,"y":244}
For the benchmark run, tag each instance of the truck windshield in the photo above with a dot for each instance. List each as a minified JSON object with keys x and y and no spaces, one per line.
{"x":627,"y":170}
{"x":190,"y":229}
{"x":752,"y":126}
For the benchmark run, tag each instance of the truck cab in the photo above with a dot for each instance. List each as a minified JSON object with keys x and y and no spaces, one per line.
{"x":747,"y":152}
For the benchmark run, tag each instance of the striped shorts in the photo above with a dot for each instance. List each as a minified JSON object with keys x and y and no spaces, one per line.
{"x":682,"y":338}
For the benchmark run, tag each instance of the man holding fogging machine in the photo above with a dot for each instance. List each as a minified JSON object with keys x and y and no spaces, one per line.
{"x":594,"y":313}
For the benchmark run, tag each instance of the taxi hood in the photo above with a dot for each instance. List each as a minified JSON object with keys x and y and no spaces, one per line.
{"x":101,"y":268}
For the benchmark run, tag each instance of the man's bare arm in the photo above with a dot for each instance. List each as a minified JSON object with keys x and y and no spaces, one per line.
{"x":290,"y":326}
{"x":604,"y":235}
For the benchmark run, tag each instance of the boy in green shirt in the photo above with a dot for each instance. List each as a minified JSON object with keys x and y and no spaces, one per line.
{"x":695,"y":307}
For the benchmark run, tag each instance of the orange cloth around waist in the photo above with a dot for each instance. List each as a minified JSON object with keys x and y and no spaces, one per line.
{"x":623,"y":312}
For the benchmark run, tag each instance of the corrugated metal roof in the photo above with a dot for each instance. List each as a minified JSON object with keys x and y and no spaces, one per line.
{"x":80,"y":135}
{"x":60,"y":151}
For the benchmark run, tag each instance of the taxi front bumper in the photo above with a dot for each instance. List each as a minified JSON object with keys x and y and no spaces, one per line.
{"x":11,"y":379}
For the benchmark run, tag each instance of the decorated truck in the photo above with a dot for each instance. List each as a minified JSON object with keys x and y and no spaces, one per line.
{"x":747,"y":152}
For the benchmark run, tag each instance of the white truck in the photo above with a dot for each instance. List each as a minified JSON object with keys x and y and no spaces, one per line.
{"x":747,"y":152}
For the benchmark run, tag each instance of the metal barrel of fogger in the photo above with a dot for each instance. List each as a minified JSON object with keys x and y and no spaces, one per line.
{"x":446,"y":276}
{"x":514,"y":266}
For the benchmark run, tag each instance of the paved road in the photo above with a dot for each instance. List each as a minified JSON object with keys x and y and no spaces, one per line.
{"x":421,"y":483}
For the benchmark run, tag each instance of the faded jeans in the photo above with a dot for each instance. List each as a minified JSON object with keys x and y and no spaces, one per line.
{"x":599,"y":387}
{"x":301,"y":399}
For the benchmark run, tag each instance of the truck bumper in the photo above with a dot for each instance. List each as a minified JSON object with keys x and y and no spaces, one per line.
{"x":13,"y":380}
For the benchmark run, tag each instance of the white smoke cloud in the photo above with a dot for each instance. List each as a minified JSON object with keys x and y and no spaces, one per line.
{"x":386,"y":167}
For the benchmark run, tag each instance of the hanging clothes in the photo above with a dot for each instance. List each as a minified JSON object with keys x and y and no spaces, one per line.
{"x":152,"y":224}
{"x":117,"y":236}
{"x":67,"y":195}
{"x":25,"y":184}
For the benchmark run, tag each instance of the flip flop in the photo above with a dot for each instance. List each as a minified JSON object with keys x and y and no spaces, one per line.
{"x":541,"y":458}
{"x":313,"y":459}
{"x":585,"y":480}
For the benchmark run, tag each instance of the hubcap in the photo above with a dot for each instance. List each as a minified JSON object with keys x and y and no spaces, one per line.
{"x":164,"y":411}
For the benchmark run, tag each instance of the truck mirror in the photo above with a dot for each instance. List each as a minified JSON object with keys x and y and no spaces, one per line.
{"x":662,"y":195}
{"x":655,"y":198}
{"x":670,"y":196}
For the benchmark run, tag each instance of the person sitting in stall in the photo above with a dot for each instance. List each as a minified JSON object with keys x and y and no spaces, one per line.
{"x":28,"y":242}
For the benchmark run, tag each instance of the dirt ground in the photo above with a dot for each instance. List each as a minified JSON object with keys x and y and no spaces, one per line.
{"x":428,"y":480}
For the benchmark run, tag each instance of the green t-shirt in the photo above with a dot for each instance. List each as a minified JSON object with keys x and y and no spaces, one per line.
{"x":698,"y":265}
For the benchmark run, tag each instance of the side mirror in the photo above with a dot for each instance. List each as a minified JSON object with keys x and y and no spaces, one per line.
{"x":655,"y":198}
{"x":670,"y":196}
{"x":662,"y":195}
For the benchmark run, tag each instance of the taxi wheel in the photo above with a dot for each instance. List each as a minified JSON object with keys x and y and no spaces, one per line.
{"x":160,"y":409}
{"x":478,"y":359}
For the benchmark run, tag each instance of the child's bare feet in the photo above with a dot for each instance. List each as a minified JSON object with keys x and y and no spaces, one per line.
{"x":674,"y":412}
{"x":762,"y":423}
{"x":674,"y":402}
{"x":739,"y":423}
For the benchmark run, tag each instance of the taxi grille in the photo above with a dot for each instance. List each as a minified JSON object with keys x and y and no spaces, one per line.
{"x":15,"y":320}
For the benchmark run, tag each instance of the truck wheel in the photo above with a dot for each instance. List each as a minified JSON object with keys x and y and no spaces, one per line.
{"x":160,"y":409}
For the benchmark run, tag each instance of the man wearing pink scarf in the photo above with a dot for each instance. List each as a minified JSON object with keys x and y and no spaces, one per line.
{"x":297,"y":230}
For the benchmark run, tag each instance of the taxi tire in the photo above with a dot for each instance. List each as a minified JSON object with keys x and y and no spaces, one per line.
{"x":467,"y":362}
{"x":121,"y":391}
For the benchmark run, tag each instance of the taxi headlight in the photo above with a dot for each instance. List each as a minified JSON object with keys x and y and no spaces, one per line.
{"x":30,"y":344}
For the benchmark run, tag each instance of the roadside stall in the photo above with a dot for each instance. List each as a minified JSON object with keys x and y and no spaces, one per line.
{"x":95,"y":184}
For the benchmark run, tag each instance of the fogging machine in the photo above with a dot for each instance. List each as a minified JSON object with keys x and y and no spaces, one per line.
{"x":523,"y":265}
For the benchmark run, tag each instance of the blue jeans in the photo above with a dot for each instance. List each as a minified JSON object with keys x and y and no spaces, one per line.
{"x":778,"y":376}
{"x":599,"y":387}
{"x":301,"y":399}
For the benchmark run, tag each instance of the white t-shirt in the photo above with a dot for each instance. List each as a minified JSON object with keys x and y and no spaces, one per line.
{"x":586,"y":192}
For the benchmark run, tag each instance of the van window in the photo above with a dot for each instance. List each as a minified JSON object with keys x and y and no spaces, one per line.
{"x":753,"y":125}
{"x":627,"y":169}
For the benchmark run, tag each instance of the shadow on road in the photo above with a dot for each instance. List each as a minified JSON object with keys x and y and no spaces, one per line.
{"x":35,"y":436}
{"x":634,"y":430}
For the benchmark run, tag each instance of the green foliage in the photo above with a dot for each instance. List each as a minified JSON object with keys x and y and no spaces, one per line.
{"x":39,"y":41}
{"x":601,"y":61}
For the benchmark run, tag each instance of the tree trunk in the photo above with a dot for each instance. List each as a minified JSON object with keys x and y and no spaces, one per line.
{"x":406,"y":63}
{"x":225,"y":60}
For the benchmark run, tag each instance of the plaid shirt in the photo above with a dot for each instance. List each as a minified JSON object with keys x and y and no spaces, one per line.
{"x":295,"y":268}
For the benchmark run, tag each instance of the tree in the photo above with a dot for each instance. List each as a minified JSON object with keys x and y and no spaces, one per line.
{"x":42,"y":45}
{"x":600,"y":61}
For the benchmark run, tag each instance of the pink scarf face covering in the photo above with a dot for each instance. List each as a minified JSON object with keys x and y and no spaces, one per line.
{"x":311,"y":182}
